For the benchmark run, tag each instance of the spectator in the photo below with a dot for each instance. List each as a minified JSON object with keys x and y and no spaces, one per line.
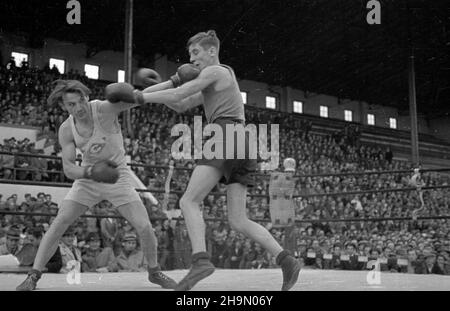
{"x":248,"y":255}
{"x":130,"y":258}
{"x":412,"y":262}
{"x":261,"y":261}
{"x":12,"y":242}
{"x":336,"y":259}
{"x":429,"y":264}
{"x":165,"y":245}
{"x":218,"y":253}
{"x":352,"y":262}
{"x":28,"y":252}
{"x":97,"y":259}
{"x":69,"y":252}
{"x":109,"y":227}
{"x":440,"y":267}
{"x":235,"y":254}
{"x":388,"y":156}
{"x":182,"y":246}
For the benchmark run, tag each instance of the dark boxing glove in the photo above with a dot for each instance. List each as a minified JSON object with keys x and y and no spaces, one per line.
{"x":123,"y":92}
{"x":102,"y":171}
{"x":185,"y":73}
{"x":147,"y":77}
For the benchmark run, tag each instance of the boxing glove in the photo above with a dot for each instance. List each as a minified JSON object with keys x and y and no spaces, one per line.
{"x":123,"y":92}
{"x":147,"y":77}
{"x":185,"y":73}
{"x":103,"y":171}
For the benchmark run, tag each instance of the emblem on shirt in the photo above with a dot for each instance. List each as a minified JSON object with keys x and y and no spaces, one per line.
{"x":97,"y":148}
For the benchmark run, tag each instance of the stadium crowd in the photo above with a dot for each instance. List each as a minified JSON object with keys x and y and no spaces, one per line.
{"x":110,"y":244}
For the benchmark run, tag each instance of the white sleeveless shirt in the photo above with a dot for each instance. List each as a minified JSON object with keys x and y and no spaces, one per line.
{"x":102,"y":145}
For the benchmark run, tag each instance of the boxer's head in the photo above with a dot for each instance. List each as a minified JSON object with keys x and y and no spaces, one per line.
{"x":204,"y":49}
{"x":71,"y":95}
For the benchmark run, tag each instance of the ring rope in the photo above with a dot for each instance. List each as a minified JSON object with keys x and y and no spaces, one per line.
{"x":68,"y":185}
{"x":7,"y":212}
{"x":444,"y":169}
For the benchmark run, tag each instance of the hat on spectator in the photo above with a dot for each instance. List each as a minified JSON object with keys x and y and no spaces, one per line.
{"x":36,"y":231}
{"x":70,"y":231}
{"x":337,"y":244}
{"x":430,"y":254}
{"x":13,"y":233}
{"x":129,"y":236}
{"x":93,"y":236}
{"x":350,"y":244}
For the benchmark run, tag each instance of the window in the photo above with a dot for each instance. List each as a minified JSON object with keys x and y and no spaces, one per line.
{"x":120,"y":75}
{"x":271,"y":102}
{"x":393,"y":123}
{"x":91,"y":71}
{"x":348,"y":115}
{"x":19,"y":57}
{"x":298,"y":106}
{"x":324,"y":111}
{"x":59,"y":63}
{"x":244,"y":97}
{"x":370,"y":119}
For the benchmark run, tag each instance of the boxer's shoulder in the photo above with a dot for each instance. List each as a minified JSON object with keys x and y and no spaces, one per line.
{"x":65,"y":133}
{"x":65,"y":127}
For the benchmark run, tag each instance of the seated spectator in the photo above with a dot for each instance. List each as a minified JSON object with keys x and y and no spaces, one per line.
{"x":235,"y":254}
{"x":336,"y":262}
{"x":97,"y":259}
{"x":310,"y":260}
{"x":319,"y":263}
{"x":261,"y":261}
{"x":6,"y":164}
{"x":130,"y":258}
{"x":352,"y":262}
{"x":182,"y":246}
{"x":412,"y":262}
{"x":248,"y":255}
{"x":391,"y":259}
{"x":12,"y":242}
{"x":218,"y":253}
{"x":2,"y":236}
{"x":27,"y":254}
{"x":69,"y":252}
{"x":429,"y":266}
{"x":109,"y":227}
{"x":440,"y":267}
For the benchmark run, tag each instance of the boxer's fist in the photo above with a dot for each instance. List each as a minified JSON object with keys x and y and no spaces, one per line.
{"x":147,"y":77}
{"x":102,"y":171}
{"x":123,"y":92}
{"x":185,"y":73}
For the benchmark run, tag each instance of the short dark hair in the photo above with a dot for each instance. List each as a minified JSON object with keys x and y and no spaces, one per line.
{"x":66,"y":86}
{"x":37,"y":232}
{"x":205,"y":40}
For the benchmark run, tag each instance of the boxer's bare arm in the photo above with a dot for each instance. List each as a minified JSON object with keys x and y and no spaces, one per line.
{"x":66,"y":140}
{"x":116,"y":108}
{"x":159,"y":87}
{"x":188,"y":103}
{"x":182,"y":106}
{"x":173,"y":98}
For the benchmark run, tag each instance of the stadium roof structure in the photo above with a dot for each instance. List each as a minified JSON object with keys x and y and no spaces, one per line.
{"x":319,"y":46}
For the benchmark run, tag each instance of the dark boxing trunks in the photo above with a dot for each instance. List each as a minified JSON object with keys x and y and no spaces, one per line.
{"x":234,"y":170}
